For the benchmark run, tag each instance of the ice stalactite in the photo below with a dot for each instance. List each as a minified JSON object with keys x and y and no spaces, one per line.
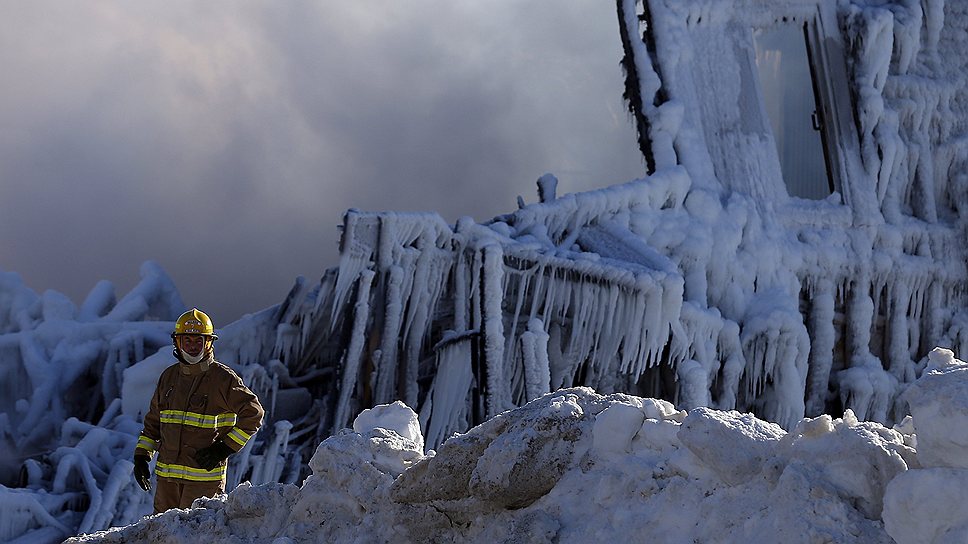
{"x":865,"y":387}
{"x":696,"y":357}
{"x":354,"y":257}
{"x":428,"y":278}
{"x":446,"y":409}
{"x":534,"y":348}
{"x":730,"y":351}
{"x":899,"y":354}
{"x":823,"y":334}
{"x":386,"y":359}
{"x":351,"y":362}
{"x":492,"y":325}
{"x":271,"y":464}
{"x":124,"y":350}
{"x":776,"y":345}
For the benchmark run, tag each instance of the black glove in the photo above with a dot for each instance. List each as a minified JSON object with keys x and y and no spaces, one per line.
{"x":209,"y":458}
{"x":142,"y":474}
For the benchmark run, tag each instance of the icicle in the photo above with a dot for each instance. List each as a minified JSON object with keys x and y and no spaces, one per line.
{"x":899,"y":353}
{"x":418,"y":316}
{"x":532,"y":381}
{"x":444,"y":411}
{"x":693,"y":390}
{"x":734,"y":364}
{"x":610,"y":335}
{"x":273,"y":460}
{"x":936,"y":303}
{"x":351,"y":362}
{"x":356,"y":250}
{"x":493,"y":328}
{"x":393,"y":314}
{"x":523,"y":281}
{"x":823,"y":334}
{"x":461,"y":293}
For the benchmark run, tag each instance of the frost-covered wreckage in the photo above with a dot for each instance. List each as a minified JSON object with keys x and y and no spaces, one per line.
{"x":796,"y":247}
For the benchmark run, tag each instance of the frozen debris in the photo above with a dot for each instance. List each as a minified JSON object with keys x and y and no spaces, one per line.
{"x":76,"y":383}
{"x":547,"y":188}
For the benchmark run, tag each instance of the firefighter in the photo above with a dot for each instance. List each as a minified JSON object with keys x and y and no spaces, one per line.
{"x":200,"y":413}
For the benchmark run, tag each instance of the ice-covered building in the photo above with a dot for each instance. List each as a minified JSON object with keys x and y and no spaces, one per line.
{"x":796,"y":246}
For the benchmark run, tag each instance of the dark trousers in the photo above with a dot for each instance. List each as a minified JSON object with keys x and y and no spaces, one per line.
{"x":171,"y":493}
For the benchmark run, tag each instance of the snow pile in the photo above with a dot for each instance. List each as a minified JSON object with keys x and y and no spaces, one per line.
{"x":929,"y":505}
{"x":576,"y":466}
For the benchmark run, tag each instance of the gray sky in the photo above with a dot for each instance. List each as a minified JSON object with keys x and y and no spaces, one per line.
{"x":225,"y":140}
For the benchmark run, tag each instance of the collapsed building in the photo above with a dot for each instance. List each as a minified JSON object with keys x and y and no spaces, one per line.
{"x":795,"y":247}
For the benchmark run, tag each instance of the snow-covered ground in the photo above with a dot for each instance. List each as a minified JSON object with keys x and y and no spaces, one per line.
{"x":576,"y":466}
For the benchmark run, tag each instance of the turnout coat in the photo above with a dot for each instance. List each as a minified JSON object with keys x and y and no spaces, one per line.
{"x":192,"y":407}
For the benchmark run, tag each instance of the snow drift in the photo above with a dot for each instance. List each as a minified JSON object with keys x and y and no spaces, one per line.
{"x":576,"y":466}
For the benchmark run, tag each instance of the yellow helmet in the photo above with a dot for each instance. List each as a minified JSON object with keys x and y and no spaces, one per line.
{"x":195,"y":321}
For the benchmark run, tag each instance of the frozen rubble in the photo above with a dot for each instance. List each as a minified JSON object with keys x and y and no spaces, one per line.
{"x":576,"y":466}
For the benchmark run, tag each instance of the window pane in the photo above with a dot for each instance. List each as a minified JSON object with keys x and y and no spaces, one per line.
{"x":784,"y":73}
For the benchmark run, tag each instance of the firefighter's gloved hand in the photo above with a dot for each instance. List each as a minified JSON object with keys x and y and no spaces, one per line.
{"x":142,"y":474}
{"x":209,"y":458}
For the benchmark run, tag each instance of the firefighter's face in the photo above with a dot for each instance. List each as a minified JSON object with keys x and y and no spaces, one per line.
{"x":192,"y":344}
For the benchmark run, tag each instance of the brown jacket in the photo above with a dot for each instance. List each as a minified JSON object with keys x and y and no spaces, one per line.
{"x":193,"y":406}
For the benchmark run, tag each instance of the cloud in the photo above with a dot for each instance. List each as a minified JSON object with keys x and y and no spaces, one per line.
{"x":226,"y":140}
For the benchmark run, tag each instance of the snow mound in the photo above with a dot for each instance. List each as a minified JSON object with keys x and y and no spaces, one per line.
{"x":929,"y":506}
{"x":939,"y":407}
{"x":570,"y":466}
